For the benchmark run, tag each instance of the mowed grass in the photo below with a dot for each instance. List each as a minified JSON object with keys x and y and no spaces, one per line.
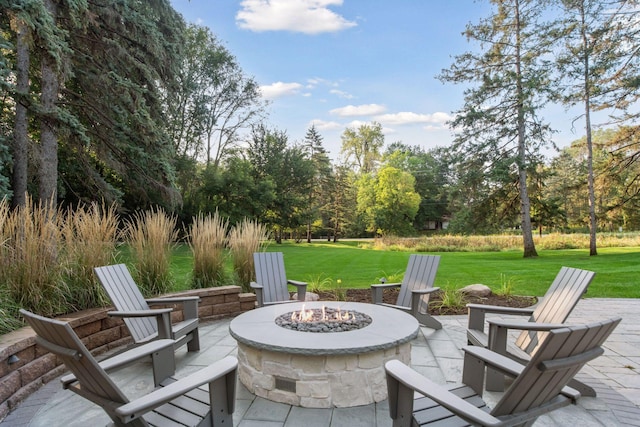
{"x":617,"y":269}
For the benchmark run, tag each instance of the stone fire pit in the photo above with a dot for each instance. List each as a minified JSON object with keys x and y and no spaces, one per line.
{"x":321,"y":370}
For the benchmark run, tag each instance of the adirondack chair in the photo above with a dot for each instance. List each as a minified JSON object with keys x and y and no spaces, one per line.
{"x":271,"y":280}
{"x":146,"y":324}
{"x":174,"y":402}
{"x":538,"y":387}
{"x":415,"y":289}
{"x":552,"y":311}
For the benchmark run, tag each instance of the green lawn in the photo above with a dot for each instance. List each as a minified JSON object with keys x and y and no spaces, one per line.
{"x":617,"y":269}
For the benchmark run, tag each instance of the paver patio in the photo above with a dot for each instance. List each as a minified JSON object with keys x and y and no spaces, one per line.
{"x":616,"y":376}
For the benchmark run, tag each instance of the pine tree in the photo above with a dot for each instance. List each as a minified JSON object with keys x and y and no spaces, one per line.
{"x":498,"y":127}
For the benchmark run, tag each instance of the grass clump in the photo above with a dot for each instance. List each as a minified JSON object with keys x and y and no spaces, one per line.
{"x":506,"y":285}
{"x":207,"y":240}
{"x":245,"y":238}
{"x":152,"y":235}
{"x":90,"y":235}
{"x":451,"y":299}
{"x":318,"y":283}
{"x":31,"y":258}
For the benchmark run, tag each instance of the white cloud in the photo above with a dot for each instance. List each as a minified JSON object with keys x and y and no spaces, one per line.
{"x":358,"y":110}
{"x":278,"y":89}
{"x":341,"y":94}
{"x":303,"y":16}
{"x":324,"y":125}
{"x":405,"y":117}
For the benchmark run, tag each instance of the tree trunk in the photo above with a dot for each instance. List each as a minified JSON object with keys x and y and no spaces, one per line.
{"x":20,"y":132}
{"x":525,"y":203}
{"x":593,"y":224}
{"x":48,"y":171}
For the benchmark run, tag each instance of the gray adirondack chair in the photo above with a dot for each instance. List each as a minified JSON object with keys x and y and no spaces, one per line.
{"x":144,"y":323}
{"x":173,"y":402}
{"x":271,"y":280}
{"x":538,"y":387}
{"x":415,"y":289}
{"x":552,"y":311}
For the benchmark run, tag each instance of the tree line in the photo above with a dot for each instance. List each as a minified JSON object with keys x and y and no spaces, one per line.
{"x":123,"y":102}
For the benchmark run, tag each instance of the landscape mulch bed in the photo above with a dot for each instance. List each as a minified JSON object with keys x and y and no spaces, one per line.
{"x":390,"y":296}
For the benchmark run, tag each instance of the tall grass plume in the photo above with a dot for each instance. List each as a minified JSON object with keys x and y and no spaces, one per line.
{"x":151,"y":235}
{"x":207,"y":240}
{"x":30,"y":258}
{"x":245,"y":238}
{"x":90,"y":236}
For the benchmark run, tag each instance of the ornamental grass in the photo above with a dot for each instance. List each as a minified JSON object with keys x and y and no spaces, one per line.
{"x":152,"y":235}
{"x":207,"y":240}
{"x":90,"y":237}
{"x":245,"y":238}
{"x":32,"y":259}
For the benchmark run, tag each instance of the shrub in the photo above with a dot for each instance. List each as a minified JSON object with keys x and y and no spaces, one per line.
{"x":152,"y":235}
{"x":246,"y":238}
{"x":207,"y":240}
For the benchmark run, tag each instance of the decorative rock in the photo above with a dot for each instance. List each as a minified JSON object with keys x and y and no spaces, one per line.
{"x":309,"y":296}
{"x":477,"y":290}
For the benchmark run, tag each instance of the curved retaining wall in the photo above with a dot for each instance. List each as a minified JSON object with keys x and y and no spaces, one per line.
{"x":34,"y":367}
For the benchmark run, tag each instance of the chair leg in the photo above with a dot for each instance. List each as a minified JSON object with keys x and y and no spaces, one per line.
{"x":194,"y":343}
{"x":584,"y":389}
{"x":164,"y":365}
{"x":427,"y":320}
{"x":222,"y":399}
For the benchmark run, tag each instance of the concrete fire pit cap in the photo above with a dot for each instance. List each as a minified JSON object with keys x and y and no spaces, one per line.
{"x":390,"y":327}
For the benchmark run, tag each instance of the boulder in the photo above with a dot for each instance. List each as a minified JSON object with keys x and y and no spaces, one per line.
{"x":309,"y":296}
{"x":476,"y":290}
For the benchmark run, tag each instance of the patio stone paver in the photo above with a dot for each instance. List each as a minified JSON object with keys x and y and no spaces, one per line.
{"x":615,"y":375}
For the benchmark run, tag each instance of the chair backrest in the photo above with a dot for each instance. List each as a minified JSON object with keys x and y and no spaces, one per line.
{"x":420,"y":274}
{"x":125,"y":296}
{"x":59,"y":338}
{"x":556,"y":305}
{"x":561,"y":355}
{"x":271,"y":275}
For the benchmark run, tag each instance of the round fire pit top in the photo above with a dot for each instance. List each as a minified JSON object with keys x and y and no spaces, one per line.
{"x":389,"y":328}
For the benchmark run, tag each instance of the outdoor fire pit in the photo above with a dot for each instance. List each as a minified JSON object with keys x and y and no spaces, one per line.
{"x":335,"y":359}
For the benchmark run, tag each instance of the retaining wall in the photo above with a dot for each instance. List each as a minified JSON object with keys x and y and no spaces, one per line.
{"x":25,"y":367}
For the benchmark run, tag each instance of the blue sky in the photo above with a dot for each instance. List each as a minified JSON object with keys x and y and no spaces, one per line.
{"x":343,"y":63}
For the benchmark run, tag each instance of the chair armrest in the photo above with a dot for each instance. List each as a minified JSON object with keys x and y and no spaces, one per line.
{"x":424,"y":291}
{"x":189,"y":304}
{"x":501,"y":309}
{"x":302,"y":289}
{"x":477,"y":313}
{"x":497,"y":361}
{"x":296,"y":283}
{"x":162,"y":315}
{"x":258,"y":289}
{"x":397,"y":372}
{"x":500,"y":363}
{"x":126,"y":358}
{"x":499,"y":328}
{"x":377,"y":290}
{"x":386,"y":285}
{"x":144,"y":404}
{"x":523,"y":326}
{"x":171,"y":300}
{"x":140,"y":313}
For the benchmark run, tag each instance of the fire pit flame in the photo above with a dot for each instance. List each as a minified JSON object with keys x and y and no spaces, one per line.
{"x":308,"y":316}
{"x":323,"y":319}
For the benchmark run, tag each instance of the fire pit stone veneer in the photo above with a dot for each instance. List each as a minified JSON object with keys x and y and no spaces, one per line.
{"x":321,"y":370}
